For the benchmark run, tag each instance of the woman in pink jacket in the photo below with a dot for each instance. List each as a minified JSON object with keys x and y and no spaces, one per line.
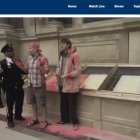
{"x":68,"y":71}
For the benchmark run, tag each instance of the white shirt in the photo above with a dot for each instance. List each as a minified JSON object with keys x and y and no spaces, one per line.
{"x":9,"y":61}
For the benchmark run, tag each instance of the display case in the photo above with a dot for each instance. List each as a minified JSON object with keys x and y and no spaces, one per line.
{"x":109,"y":98}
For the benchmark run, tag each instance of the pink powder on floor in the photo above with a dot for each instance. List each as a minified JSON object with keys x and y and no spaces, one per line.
{"x":67,"y":131}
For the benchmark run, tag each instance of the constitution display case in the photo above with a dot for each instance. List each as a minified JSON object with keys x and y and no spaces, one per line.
{"x":109,"y":98}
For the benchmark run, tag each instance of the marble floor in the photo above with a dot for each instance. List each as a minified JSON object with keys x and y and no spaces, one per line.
{"x":53,"y":132}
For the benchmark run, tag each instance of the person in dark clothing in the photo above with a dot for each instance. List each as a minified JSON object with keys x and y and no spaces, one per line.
{"x":68,"y":72}
{"x":1,"y":102}
{"x":12,"y":71}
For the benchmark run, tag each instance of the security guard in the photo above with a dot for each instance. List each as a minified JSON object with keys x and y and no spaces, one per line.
{"x":12,"y":70}
{"x":1,"y":102}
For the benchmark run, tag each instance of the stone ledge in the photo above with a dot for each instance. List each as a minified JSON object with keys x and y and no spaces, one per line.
{"x":113,"y":95}
{"x":9,"y":35}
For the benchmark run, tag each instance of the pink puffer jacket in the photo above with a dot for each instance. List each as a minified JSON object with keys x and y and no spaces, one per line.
{"x":71,"y":66}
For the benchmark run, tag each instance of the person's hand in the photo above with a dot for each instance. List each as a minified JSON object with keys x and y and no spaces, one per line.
{"x":58,"y":73}
{"x":1,"y":70}
{"x":64,"y":76}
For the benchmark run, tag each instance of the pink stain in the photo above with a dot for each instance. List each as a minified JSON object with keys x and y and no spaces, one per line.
{"x":67,"y":131}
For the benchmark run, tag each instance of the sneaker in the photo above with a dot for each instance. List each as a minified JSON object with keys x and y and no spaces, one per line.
{"x":1,"y":106}
{"x":62,"y":122}
{"x":19,"y":118}
{"x":10,"y":124}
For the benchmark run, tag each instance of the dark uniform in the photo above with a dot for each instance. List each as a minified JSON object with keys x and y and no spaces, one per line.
{"x":12,"y":85}
{"x":1,"y":103}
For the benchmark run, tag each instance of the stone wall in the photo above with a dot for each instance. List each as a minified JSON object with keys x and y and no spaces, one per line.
{"x":116,"y":112}
{"x":109,"y":41}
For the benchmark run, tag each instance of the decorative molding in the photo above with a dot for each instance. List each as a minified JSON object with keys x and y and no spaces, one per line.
{"x":49,"y":32}
{"x":53,"y":28}
{"x":6,"y":27}
{"x":4,"y":35}
{"x":28,"y":38}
